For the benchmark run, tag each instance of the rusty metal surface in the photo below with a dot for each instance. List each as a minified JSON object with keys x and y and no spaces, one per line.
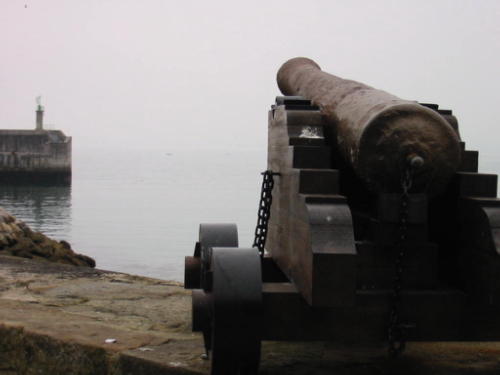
{"x":375,"y":131}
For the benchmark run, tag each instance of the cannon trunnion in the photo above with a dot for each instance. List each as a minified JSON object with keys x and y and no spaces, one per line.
{"x":334,"y":240}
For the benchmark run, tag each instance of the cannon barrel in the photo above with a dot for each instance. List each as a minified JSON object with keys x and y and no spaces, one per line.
{"x":377,"y":133}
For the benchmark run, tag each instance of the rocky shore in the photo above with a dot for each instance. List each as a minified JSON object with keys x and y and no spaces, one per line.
{"x":17,"y":239}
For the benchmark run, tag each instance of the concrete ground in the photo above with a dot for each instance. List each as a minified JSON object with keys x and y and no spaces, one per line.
{"x":57,"y":319}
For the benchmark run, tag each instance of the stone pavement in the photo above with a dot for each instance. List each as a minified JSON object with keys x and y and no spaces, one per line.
{"x":56,"y":319}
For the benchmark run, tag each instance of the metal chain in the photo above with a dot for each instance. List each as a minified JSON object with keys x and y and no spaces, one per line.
{"x":266,"y":200}
{"x":398,"y":330}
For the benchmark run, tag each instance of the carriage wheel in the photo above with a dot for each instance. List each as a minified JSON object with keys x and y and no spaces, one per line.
{"x":197,"y":267}
{"x":236,"y":329}
{"x":214,"y":235}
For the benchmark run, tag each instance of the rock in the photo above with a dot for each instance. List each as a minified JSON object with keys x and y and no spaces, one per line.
{"x":90,"y":261}
{"x":3,"y":240}
{"x":36,"y":237}
{"x":17,"y":239}
{"x":8,"y":238}
{"x":5,"y":217}
{"x":24,"y":254}
{"x":15,"y":228}
{"x":65,"y":244}
{"x":5,"y":228}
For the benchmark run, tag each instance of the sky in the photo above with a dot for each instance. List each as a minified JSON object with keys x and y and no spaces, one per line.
{"x":192,"y":74}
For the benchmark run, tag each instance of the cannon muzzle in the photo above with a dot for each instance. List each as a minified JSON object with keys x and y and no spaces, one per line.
{"x":376,"y":133}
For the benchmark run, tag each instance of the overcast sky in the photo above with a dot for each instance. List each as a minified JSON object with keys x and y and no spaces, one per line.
{"x":202,"y":74}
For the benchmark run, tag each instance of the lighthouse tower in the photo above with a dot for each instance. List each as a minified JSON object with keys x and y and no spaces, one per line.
{"x":39,"y":114}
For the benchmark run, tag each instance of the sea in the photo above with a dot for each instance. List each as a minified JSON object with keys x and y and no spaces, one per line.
{"x":138,"y":211}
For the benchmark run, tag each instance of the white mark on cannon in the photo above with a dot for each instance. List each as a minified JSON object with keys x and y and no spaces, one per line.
{"x":309,"y":132}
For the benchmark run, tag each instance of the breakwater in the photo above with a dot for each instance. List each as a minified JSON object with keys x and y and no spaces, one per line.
{"x":39,"y":155}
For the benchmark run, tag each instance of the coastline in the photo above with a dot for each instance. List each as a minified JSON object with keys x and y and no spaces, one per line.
{"x":55,"y":319}
{"x":17,"y":239}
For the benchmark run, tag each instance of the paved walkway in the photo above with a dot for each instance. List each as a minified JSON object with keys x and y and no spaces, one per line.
{"x":57,"y":319}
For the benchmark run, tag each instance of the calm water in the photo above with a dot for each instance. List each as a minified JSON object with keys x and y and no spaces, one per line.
{"x":138,"y":211}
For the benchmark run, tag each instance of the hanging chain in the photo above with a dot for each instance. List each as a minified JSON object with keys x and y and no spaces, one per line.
{"x":266,"y":199}
{"x":398,"y":330}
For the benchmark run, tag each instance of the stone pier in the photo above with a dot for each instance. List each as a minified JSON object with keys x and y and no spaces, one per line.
{"x":37,"y":155}
{"x":60,"y":320}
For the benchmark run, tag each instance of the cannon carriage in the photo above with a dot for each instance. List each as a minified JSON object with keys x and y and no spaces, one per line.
{"x":376,"y":225}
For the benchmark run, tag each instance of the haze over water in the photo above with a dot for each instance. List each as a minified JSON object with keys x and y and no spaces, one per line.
{"x":138,"y":211}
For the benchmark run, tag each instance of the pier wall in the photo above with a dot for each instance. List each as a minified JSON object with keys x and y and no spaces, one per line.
{"x":35,"y":155}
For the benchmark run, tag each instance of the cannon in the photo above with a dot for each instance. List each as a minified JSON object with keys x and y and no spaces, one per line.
{"x":374,"y":225}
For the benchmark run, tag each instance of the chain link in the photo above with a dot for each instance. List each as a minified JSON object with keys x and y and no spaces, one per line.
{"x":266,"y":200}
{"x":398,"y":330}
